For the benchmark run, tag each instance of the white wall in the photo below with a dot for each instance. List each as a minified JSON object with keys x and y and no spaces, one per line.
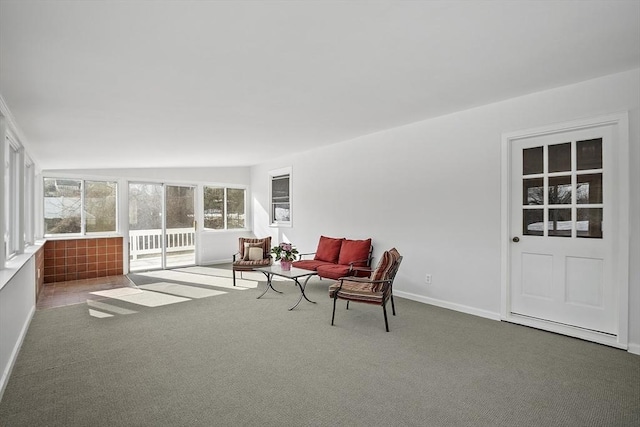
{"x":17,"y":305}
{"x":432,"y":189}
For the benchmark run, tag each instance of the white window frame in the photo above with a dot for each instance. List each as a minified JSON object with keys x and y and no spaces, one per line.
{"x":17,"y":192}
{"x":14,"y":191}
{"x":29,"y":201}
{"x":276,"y":174}
{"x":3,"y":202}
{"x":83,"y":213}
{"x":224,"y":205}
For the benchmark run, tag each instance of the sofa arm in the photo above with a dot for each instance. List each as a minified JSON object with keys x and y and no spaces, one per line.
{"x":306,"y":254}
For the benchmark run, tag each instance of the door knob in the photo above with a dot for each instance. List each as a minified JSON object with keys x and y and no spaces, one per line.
{"x":516,"y":239}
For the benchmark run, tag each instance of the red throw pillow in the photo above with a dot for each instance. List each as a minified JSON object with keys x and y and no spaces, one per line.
{"x":328,"y":249}
{"x":354,"y":250}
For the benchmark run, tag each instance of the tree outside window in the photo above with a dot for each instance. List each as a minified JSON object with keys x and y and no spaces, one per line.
{"x":67,"y":211}
{"x":100,"y":206}
{"x":224,"y":208}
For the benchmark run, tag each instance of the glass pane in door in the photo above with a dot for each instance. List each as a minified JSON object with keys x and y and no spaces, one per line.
{"x":533,"y":222}
{"x":589,"y":188}
{"x":560,"y":190}
{"x":560,"y":223}
{"x":589,"y":154}
{"x":590,"y":223}
{"x":559,"y":157}
{"x":532,"y":160}
{"x":180,"y":231}
{"x":145,"y":226}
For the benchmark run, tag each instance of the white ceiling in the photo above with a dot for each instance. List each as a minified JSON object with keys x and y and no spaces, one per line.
{"x":101,"y":84}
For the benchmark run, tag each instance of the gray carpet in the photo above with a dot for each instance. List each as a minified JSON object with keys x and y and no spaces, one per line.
{"x":234,"y":360}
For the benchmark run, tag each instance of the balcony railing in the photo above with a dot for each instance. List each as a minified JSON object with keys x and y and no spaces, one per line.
{"x":149,"y":242}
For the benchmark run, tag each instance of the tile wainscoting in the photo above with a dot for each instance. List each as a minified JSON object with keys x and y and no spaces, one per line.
{"x":77,"y":259}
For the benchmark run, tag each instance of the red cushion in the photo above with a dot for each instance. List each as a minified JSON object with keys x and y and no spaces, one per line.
{"x":328,"y":249}
{"x":333,"y":271}
{"x":354,"y":250}
{"x":309,"y":264}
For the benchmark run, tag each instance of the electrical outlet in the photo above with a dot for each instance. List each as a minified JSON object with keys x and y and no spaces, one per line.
{"x":427,"y":279}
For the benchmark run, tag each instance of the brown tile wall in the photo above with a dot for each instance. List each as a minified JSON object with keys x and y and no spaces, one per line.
{"x":77,"y":259}
{"x":39,"y":271}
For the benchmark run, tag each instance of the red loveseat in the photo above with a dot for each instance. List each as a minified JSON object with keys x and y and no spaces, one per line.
{"x":338,"y":257}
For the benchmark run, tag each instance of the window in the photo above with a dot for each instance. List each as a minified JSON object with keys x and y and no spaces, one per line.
{"x":280,"y":191}
{"x":16,"y":194}
{"x":12,"y":215}
{"x":100,"y":206}
{"x":224,"y":208}
{"x":29,"y":207}
{"x":74,"y":206}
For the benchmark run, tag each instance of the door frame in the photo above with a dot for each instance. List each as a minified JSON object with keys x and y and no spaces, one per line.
{"x":620,"y":225}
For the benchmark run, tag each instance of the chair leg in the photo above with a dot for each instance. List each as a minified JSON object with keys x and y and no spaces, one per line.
{"x":386,"y":322}
{"x":234,"y":277}
{"x":333,"y":316}
{"x":347,"y":305}
{"x":393,"y":306}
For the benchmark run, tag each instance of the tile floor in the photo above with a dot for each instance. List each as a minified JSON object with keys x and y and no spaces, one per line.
{"x":79,"y":291}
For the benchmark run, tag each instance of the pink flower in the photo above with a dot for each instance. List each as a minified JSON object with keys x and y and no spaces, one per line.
{"x":286,"y":246}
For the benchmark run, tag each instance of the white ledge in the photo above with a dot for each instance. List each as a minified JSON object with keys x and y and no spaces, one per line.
{"x":16,"y":263}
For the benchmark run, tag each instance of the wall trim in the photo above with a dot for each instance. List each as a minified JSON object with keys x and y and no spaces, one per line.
{"x":14,"y":353}
{"x":449,"y":305}
{"x":634,"y":348}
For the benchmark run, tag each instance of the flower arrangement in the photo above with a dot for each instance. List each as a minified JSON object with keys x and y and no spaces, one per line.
{"x":285,"y":252}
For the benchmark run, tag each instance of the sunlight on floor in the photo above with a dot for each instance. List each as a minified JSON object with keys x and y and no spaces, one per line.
{"x":142,"y":297}
{"x":202,"y":279}
{"x":181,"y":290}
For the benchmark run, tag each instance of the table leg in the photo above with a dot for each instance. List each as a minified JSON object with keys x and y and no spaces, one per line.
{"x":269,"y":285}
{"x":302,"y":294}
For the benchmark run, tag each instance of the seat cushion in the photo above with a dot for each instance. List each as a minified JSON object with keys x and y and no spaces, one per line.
{"x":333,"y":271}
{"x":356,"y":291}
{"x":356,"y":251}
{"x":310,"y":264}
{"x":243,"y":265}
{"x":328,"y":249}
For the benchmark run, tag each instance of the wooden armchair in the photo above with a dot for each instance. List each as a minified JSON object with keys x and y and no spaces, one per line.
{"x":251,"y":253}
{"x":376,"y":289}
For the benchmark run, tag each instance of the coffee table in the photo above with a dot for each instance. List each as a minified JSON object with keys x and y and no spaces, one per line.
{"x":294,"y":274}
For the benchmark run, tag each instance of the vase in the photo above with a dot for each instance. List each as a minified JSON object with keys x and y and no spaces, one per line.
{"x":285,"y":265}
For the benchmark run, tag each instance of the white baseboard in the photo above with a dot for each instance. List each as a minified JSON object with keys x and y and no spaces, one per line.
{"x":634,"y":348}
{"x":449,"y":305}
{"x":14,"y":353}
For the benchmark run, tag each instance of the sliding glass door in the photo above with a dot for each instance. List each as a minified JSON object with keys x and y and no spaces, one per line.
{"x":179,"y":227}
{"x":161,"y":226}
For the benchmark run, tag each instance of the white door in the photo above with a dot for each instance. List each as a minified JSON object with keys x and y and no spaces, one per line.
{"x":561,"y":229}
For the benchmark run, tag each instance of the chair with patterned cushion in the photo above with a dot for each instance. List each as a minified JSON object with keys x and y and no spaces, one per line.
{"x":376,"y":289}
{"x":252,"y":253}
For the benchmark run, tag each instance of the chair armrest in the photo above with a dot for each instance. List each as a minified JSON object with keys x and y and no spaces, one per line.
{"x":307,"y":253}
{"x":235,"y":255}
{"x":362,"y":280}
{"x":358,"y":261}
{"x":355,"y":270}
